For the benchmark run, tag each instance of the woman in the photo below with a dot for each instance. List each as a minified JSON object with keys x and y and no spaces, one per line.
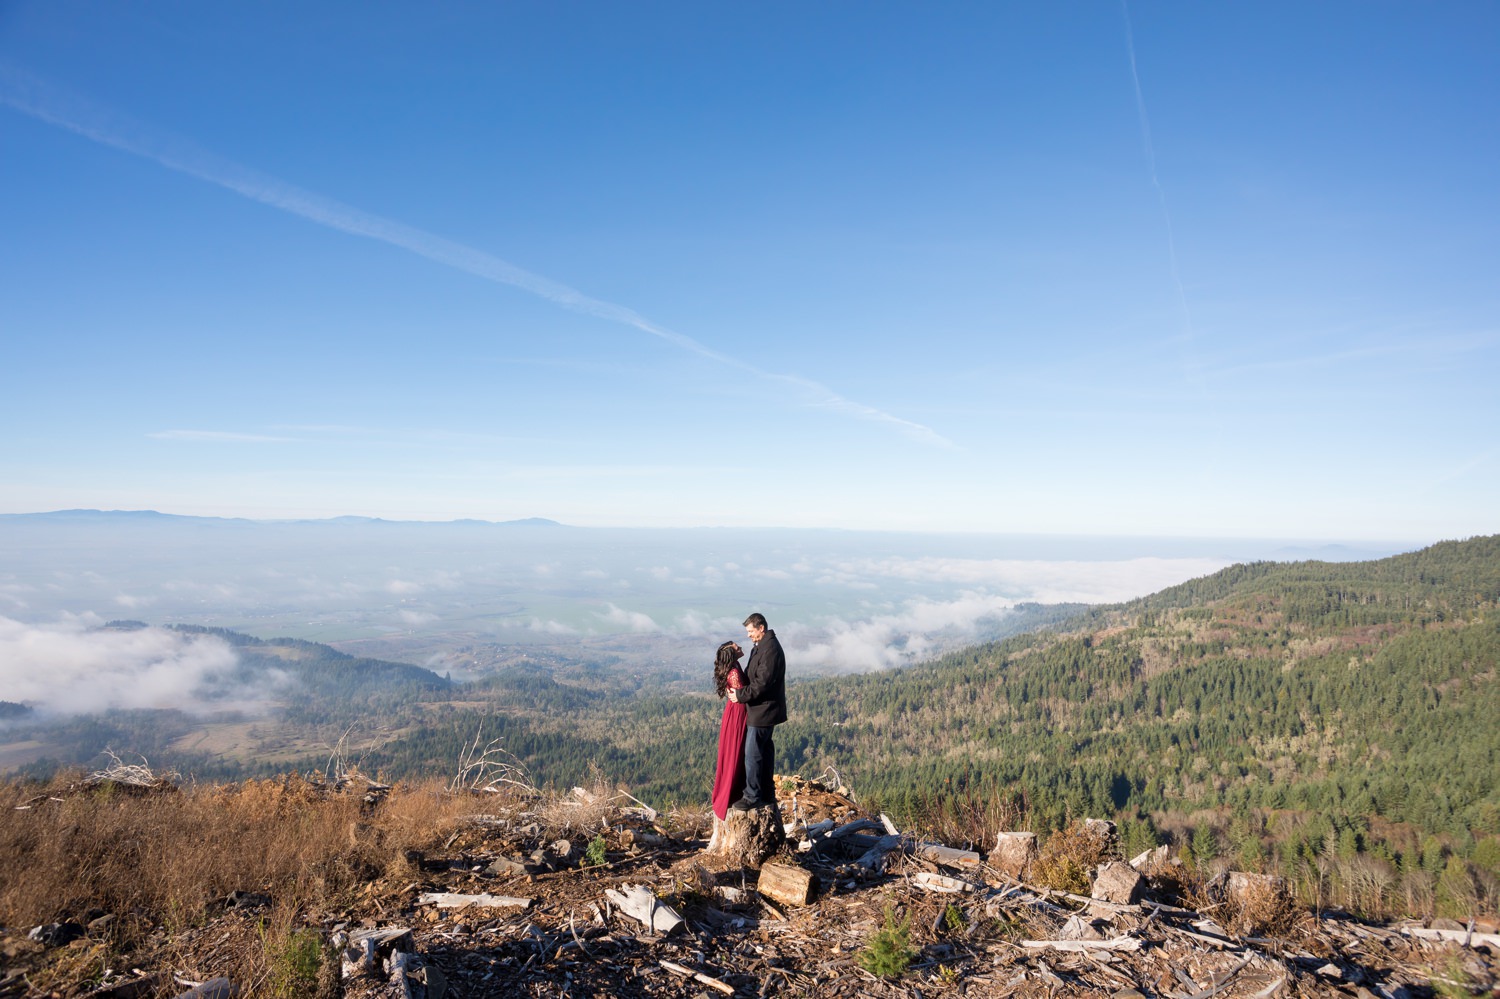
{"x":729,"y":778}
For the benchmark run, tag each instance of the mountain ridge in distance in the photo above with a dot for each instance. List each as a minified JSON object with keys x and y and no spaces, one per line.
{"x":155,"y":516}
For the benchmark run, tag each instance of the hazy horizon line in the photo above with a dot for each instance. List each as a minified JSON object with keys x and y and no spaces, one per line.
{"x":550,"y":522}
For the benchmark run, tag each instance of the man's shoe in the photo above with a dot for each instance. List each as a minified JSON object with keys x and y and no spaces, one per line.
{"x":743,"y":805}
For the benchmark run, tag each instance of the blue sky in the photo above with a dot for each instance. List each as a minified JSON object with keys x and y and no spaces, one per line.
{"x":934,"y":267}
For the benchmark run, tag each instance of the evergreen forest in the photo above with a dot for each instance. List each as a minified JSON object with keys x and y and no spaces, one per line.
{"x":1338,"y":722}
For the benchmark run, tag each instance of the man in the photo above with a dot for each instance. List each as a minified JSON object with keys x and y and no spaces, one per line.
{"x":764,"y":697}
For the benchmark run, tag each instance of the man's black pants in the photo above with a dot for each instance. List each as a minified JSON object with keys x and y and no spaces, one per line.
{"x":760,"y":756}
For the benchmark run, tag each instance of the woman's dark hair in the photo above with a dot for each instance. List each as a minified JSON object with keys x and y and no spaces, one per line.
{"x":723,"y":663}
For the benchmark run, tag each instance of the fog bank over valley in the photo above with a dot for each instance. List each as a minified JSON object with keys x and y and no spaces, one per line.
{"x":470,"y":598}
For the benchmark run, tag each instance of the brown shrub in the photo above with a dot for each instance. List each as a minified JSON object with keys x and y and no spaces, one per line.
{"x":1260,"y":907}
{"x":1068,"y":858}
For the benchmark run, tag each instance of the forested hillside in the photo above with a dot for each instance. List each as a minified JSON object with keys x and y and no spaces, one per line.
{"x":1289,"y":715}
{"x":1298,"y":716}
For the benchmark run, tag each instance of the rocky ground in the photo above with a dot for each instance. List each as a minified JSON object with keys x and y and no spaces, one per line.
{"x":506,"y":907}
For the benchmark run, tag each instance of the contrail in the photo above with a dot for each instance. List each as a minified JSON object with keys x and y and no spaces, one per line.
{"x":36,"y":99}
{"x":1161,"y":194}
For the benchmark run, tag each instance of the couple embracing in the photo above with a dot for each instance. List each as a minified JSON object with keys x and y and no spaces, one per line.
{"x":756,"y":704}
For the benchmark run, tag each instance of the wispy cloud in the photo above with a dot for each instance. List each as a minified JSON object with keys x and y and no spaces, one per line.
{"x":1462,"y":469}
{"x":634,"y":620}
{"x":1427,"y":346}
{"x":1193,"y":373}
{"x":33,"y":97}
{"x":218,"y":436}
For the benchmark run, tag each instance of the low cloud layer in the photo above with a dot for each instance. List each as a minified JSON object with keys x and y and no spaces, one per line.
{"x":968,"y":602}
{"x":72,"y":667}
{"x":1046,"y":582}
{"x":921,"y":629}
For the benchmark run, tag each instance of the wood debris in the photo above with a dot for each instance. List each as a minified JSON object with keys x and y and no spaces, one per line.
{"x":484,"y":900}
{"x":676,"y":920}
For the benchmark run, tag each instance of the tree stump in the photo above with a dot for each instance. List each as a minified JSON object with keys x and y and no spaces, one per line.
{"x":749,"y":837}
{"x":1014,"y":853}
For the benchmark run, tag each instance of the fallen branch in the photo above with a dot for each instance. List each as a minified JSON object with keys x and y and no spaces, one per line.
{"x":1083,"y":946}
{"x":937,"y":882}
{"x":712,"y":983}
{"x":486,"y":771}
{"x":132,"y":774}
{"x":1218,"y":984}
{"x":1465,"y":937}
{"x":484,"y":900}
{"x":874,"y":858}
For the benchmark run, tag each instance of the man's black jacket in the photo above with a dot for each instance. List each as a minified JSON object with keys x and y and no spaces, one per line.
{"x":764,"y":693}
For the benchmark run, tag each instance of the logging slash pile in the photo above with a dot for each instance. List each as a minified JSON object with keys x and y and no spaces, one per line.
{"x":592,"y":893}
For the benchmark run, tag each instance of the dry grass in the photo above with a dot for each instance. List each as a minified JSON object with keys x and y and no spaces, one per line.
{"x":161,"y":862}
{"x":972,"y":817}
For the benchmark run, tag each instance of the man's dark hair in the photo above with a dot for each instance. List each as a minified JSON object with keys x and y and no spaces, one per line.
{"x":757,"y":619}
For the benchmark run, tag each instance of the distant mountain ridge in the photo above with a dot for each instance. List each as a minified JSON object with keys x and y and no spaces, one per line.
{"x":140,"y":516}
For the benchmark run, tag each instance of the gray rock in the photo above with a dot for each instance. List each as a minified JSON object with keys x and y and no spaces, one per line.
{"x":214,"y":988}
{"x":509,"y":866}
{"x":1117,"y":882}
{"x":55,"y":934}
{"x":247,"y":900}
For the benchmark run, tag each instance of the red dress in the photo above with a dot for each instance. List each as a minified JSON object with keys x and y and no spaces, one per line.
{"x":729,"y":777}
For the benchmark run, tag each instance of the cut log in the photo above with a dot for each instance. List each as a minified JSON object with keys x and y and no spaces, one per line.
{"x":1150,"y":858}
{"x":409,"y":977}
{"x":639,"y":903}
{"x":367,"y":950}
{"x":786,"y":884}
{"x":858,"y":825}
{"x":946,"y":855}
{"x":874,"y":858}
{"x":937,"y":882}
{"x":749,"y":838}
{"x":1078,"y":928}
{"x":1014,"y":853}
{"x":484,"y":900}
